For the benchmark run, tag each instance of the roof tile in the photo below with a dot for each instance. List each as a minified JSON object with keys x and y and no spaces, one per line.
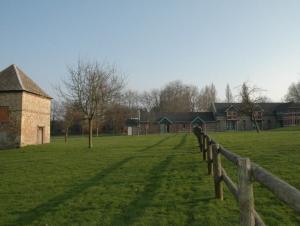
{"x":14,"y":79}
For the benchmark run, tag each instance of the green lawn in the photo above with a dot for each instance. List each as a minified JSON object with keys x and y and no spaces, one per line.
{"x":292,"y":128}
{"x":279,"y":153}
{"x":146,"y":180}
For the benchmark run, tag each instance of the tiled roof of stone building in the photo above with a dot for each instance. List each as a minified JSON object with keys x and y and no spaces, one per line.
{"x":14,"y":79}
{"x":268,"y":108}
{"x":288,"y":106}
{"x":132,"y":122}
{"x":177,"y":116}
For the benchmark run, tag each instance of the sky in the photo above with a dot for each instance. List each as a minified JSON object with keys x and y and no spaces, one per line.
{"x":156,"y":41}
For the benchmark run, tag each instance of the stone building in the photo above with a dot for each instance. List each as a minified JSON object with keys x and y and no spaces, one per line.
{"x":24,"y":110}
{"x":171,"y":122}
{"x":268,"y":115}
{"x":222,"y":117}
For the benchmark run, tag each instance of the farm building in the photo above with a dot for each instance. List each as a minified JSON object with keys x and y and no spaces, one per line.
{"x":268,"y":116}
{"x":132,"y":126}
{"x":24,"y":110}
{"x":222,"y":117}
{"x":172,"y":122}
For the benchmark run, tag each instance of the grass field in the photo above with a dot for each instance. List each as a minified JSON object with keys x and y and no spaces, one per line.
{"x":146,"y":180}
{"x":286,"y":129}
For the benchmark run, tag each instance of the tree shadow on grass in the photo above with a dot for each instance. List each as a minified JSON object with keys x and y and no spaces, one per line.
{"x":136,"y":208}
{"x":42,"y":209}
{"x":181,"y":143}
{"x":29,"y":216}
{"x":156,"y":144}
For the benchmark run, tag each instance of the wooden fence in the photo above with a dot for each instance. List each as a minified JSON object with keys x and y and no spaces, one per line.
{"x":248,"y":172}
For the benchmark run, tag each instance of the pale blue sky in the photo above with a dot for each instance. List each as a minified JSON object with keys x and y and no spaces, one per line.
{"x":154,"y":42}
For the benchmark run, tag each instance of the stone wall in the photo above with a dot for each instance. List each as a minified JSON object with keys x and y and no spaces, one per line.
{"x":154,"y":128}
{"x":210,"y":127}
{"x":244,"y":123}
{"x":270,"y":122}
{"x":221,"y":123}
{"x":149,"y":128}
{"x":180,"y":127}
{"x":35,"y":114}
{"x":10,"y":132}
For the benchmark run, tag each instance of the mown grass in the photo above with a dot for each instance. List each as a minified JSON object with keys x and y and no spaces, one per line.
{"x":146,"y":180}
{"x":279,"y":153}
{"x":287,"y":129}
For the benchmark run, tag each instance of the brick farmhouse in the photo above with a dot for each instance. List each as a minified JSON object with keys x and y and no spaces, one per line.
{"x":221,"y":117}
{"x":24,"y":110}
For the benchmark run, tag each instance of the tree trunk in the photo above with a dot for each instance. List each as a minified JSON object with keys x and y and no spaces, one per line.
{"x":66,"y":134}
{"x":253,"y":119}
{"x":256,"y":126}
{"x":97,"y":131}
{"x":90,"y":132}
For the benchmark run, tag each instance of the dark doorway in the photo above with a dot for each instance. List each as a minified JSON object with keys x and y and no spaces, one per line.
{"x":40,"y":135}
{"x":231,"y":125}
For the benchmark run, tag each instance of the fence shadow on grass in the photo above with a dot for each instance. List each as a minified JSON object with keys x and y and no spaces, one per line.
{"x":29,"y":216}
{"x":136,"y":208}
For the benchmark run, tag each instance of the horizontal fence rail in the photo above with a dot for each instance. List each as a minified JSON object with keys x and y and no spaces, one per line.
{"x":285,"y":192}
{"x":247,"y":172}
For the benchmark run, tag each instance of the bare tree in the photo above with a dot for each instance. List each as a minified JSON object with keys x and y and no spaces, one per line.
{"x":250,"y":97}
{"x":131,"y":99}
{"x":55,"y":110}
{"x":192,"y":95}
{"x":100,"y":119}
{"x":91,"y":86}
{"x":228,"y":94}
{"x":66,"y":113}
{"x":265,"y":99}
{"x":207,"y":96}
{"x":70,"y":114}
{"x":178,"y":97}
{"x":56,"y":116}
{"x":293,"y":92}
{"x":150,"y":100}
{"x":116,"y":116}
{"x":172,"y":98}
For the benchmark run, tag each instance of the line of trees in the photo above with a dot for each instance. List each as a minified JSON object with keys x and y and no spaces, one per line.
{"x":94,"y":98}
{"x":293,"y":93}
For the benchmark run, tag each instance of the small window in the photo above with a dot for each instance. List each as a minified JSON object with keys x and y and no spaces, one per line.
{"x":4,"y":114}
{"x":258,"y":115}
{"x":232,"y":115}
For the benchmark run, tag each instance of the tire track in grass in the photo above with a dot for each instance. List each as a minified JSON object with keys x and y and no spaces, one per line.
{"x":157,"y":143}
{"x":135,"y":209}
{"x":28,"y":217}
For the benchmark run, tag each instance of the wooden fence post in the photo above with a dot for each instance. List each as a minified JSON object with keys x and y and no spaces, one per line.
{"x":217,"y":169}
{"x":200,"y":141}
{"x":204,"y":146}
{"x":209,"y":158}
{"x":245,"y":193}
